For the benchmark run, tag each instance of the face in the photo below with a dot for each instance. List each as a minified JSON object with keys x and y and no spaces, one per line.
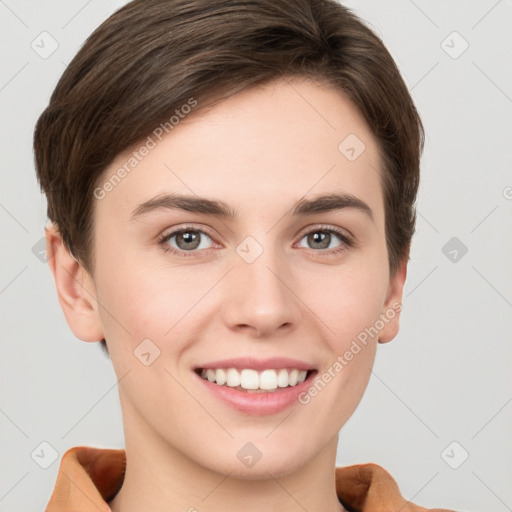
{"x":293,"y":302}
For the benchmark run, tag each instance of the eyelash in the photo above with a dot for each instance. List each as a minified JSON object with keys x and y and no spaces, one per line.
{"x":163,"y":239}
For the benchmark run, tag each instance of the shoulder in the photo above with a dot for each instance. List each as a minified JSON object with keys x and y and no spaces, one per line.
{"x":370,"y":488}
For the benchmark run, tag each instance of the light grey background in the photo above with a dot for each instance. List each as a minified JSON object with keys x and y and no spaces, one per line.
{"x":444,"y":379}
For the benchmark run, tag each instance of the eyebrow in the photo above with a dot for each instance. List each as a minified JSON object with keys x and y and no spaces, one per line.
{"x":196,"y":204}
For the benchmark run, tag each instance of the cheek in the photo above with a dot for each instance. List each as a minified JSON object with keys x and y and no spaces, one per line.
{"x":350,"y":307}
{"x":150,"y":299}
{"x":141,"y":302}
{"x":348,"y":300}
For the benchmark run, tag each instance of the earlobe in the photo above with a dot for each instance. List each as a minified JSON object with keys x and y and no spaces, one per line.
{"x":75,"y":288}
{"x":393,"y":306}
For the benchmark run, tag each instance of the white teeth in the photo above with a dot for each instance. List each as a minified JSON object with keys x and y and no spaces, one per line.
{"x":268,"y":379}
{"x":292,"y":378}
{"x":282,"y":378}
{"x":252,"y":380}
{"x":232,"y":378}
{"x":249,"y":379}
{"x":220,"y":377}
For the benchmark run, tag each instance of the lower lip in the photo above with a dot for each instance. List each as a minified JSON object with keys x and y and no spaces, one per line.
{"x":259,"y":404}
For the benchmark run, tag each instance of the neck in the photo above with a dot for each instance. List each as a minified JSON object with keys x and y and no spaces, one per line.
{"x":161,"y":478}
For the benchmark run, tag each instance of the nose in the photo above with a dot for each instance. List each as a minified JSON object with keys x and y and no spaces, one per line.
{"x":260,"y":299}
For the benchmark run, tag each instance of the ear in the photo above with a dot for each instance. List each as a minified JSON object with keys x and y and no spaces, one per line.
{"x":75,"y":288}
{"x":390,"y":314}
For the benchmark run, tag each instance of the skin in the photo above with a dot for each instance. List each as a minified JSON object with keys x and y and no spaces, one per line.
{"x":259,"y":151}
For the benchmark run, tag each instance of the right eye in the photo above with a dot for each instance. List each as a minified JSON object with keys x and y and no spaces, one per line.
{"x":184,"y":240}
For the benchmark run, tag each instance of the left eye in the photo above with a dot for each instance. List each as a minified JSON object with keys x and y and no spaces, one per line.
{"x":323,"y":238}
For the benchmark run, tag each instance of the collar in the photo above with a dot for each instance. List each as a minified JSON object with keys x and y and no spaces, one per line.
{"x":89,"y":477}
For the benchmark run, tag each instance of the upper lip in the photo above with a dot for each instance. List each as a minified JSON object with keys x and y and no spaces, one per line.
{"x":275,"y":363}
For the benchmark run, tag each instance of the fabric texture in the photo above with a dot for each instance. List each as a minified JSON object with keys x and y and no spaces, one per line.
{"x":89,"y":477}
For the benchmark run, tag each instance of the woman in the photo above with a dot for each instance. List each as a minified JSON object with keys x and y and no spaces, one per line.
{"x":278,"y":142}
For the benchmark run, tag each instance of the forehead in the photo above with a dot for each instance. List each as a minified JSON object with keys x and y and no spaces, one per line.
{"x":265,"y":146}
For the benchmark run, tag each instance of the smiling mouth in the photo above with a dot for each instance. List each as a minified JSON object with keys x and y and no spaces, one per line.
{"x":253,"y":381}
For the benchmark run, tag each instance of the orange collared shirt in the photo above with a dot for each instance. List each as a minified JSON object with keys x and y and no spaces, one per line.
{"x":89,"y":478}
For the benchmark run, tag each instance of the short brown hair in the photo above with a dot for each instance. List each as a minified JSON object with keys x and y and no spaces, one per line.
{"x":148,"y":58}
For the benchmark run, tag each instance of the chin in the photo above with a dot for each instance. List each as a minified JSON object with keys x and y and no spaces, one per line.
{"x":250,"y":461}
